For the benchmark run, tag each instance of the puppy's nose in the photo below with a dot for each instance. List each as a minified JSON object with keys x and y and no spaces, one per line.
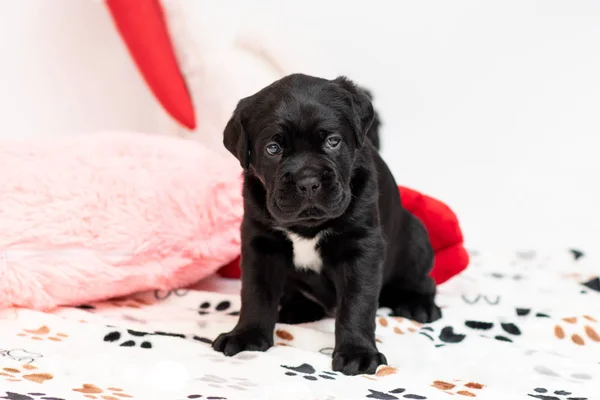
{"x":308,"y":186}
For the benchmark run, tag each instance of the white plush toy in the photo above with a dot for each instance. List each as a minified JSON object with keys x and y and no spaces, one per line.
{"x":201,"y":57}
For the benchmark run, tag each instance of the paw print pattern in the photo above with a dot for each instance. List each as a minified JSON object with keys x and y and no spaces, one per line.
{"x":593,"y":284}
{"x":20,"y":355}
{"x":221,"y":307}
{"x":165,"y":294}
{"x":285,"y":336}
{"x":499,"y":334}
{"x":238,"y":359}
{"x":43,"y":333}
{"x":182,"y":336}
{"x":95,"y":392}
{"x":528,"y":312}
{"x":505,"y":331}
{"x":514,"y":277}
{"x":444,"y":337}
{"x":382,"y":371}
{"x":577,"y":254}
{"x":580,"y":330}
{"x":199,"y":396}
{"x":573,"y":376}
{"x":135,"y":338}
{"x":308,"y":372}
{"x":128,"y":303}
{"x":544,"y":394}
{"x":219,"y":382}
{"x":26,"y":372}
{"x":489,"y":300}
{"x":394,"y":394}
{"x":469,"y":389}
{"x":132,"y":341}
{"x":29,"y":396}
{"x":398,"y":325}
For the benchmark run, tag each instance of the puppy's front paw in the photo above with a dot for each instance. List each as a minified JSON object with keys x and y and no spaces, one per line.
{"x":234,"y":342}
{"x":354,"y":360}
{"x":418,"y":309}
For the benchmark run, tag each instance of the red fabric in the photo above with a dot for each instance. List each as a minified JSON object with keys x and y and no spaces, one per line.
{"x":143,"y":28}
{"x":444,"y":231}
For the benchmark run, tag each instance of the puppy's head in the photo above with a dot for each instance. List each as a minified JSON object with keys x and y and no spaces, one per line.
{"x":299,"y":136}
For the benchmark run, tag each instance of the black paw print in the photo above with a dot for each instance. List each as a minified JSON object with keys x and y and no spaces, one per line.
{"x":446,"y":335}
{"x":116,"y":336}
{"x":507,"y":327}
{"x":593,"y":284}
{"x":309,"y":373}
{"x":526,"y":312}
{"x":543,"y":394}
{"x":577,"y":254}
{"x":221,"y":307}
{"x":391,"y":395}
{"x":182,"y":336}
{"x":29,"y":396}
{"x":199,"y":396}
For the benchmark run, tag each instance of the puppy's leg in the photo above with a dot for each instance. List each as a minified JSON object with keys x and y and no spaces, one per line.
{"x":298,"y":309}
{"x":357,"y":286}
{"x":263,"y":277}
{"x":410,"y":292}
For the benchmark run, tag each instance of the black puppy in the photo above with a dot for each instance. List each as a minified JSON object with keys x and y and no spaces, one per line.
{"x":324,"y":232}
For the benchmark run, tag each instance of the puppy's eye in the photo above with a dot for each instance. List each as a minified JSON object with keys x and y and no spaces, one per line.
{"x":273,"y":148}
{"x":333,"y":141}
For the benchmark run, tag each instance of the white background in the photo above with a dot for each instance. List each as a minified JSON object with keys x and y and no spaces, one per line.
{"x":493,"y":107}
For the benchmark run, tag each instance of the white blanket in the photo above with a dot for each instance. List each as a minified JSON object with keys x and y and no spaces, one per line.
{"x":516,"y":325}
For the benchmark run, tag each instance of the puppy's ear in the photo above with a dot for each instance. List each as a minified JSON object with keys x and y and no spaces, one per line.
{"x":373,"y":132}
{"x":235,"y":137}
{"x":362,"y":108}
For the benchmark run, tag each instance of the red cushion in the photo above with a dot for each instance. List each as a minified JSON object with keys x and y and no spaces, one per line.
{"x":143,"y":28}
{"x":442,"y":226}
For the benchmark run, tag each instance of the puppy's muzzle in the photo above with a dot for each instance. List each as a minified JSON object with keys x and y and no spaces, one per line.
{"x":308,"y":184}
{"x":306,"y":188}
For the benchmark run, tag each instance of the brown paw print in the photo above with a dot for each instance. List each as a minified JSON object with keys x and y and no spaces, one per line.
{"x":43,"y":333}
{"x":580,"y":330}
{"x":285,"y":337}
{"x":129,"y":303}
{"x":577,"y":276}
{"x":469,"y":389}
{"x":398,"y":325}
{"x":94,"y":392}
{"x":382,"y":371}
{"x":27,"y":372}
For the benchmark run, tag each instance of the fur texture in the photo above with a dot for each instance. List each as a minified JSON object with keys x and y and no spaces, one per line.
{"x":90,"y":217}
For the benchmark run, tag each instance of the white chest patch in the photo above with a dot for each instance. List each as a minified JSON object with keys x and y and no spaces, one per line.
{"x":306,"y":254}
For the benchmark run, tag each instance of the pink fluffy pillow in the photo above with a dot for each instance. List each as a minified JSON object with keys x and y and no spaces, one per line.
{"x":91,"y":217}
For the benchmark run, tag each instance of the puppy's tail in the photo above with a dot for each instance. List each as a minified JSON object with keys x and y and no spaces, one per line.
{"x":373,"y":133}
